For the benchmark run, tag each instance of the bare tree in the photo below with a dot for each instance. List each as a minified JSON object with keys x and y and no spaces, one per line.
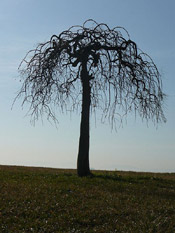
{"x":97,"y":64}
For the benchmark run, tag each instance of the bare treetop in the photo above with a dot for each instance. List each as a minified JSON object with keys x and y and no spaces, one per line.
{"x":120,"y":75}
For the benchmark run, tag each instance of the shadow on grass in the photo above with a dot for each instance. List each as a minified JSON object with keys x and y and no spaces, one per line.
{"x":130,"y":179}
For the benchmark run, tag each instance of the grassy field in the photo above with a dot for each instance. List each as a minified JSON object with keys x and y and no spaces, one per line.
{"x":55,"y":200}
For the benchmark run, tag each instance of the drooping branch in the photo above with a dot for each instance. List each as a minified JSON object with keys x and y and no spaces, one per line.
{"x":120,"y":74}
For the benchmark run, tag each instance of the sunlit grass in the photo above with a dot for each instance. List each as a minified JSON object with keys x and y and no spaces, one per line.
{"x":53,"y":200}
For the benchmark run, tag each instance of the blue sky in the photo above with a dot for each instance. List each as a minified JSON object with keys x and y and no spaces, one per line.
{"x":135,"y":146}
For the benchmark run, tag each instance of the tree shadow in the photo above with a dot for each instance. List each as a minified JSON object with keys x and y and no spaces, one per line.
{"x":127,"y":178}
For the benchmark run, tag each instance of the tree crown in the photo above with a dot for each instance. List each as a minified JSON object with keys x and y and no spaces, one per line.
{"x":120,"y":74}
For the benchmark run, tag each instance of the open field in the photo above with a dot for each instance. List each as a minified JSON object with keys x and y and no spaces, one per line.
{"x":55,"y":200}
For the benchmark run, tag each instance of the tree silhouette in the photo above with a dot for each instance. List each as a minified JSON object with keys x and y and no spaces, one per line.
{"x":97,"y":64}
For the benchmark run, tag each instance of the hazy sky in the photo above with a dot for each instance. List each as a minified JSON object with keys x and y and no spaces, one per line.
{"x":135,"y":146}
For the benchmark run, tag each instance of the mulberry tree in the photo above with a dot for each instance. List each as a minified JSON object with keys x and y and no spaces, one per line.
{"x":95,"y":67}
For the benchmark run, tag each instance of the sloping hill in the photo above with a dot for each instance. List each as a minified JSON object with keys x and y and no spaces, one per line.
{"x":56,"y":200}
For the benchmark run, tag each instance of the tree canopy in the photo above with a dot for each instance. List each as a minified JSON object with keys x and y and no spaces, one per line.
{"x":122,"y":76}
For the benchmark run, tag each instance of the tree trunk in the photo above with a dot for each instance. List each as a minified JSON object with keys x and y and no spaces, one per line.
{"x":83,"y":154}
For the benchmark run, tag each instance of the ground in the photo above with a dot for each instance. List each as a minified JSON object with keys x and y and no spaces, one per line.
{"x":56,"y":200}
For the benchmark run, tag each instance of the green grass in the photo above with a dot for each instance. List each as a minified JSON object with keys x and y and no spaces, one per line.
{"x":55,"y":200}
